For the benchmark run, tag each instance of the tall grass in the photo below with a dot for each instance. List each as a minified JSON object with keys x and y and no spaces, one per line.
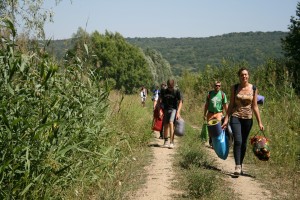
{"x":196,"y":170}
{"x":51,"y":134}
{"x":129,"y":125}
{"x":62,"y":135}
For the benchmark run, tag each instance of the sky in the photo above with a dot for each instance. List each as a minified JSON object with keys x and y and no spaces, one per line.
{"x":169,"y":18}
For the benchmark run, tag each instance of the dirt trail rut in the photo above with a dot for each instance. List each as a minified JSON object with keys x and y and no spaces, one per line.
{"x":160,"y":176}
{"x":245,"y":186}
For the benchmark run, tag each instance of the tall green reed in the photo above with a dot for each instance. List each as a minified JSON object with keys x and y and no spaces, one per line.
{"x":52,"y":123}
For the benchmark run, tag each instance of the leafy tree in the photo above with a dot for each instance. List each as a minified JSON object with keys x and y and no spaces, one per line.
{"x":29,"y":14}
{"x":291,"y":43}
{"x":160,"y":67}
{"x":291,"y":46}
{"x":113,"y":59}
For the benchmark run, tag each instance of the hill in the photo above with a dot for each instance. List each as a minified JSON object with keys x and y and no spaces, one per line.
{"x":195,"y":53}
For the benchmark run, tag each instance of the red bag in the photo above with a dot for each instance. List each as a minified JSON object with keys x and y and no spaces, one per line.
{"x":157,"y":124}
{"x":157,"y":119}
{"x":158,"y":112}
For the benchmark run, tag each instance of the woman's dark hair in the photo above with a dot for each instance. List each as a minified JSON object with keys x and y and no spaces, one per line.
{"x":242,"y":69}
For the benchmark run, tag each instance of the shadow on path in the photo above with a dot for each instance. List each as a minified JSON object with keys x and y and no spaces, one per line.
{"x":154,"y":145}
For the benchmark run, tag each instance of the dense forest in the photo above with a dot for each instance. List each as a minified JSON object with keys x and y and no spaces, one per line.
{"x":194,"y":54}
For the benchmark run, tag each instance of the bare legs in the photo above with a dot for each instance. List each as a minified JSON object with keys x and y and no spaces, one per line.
{"x":169,"y":128}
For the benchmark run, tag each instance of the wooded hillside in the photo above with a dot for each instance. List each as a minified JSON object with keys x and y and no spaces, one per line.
{"x":195,"y":53}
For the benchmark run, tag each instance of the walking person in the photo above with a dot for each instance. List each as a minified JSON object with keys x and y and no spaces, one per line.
{"x":171,"y":99}
{"x":243,"y":102}
{"x":157,"y":109}
{"x":143,"y":94}
{"x":216,"y":104}
{"x":155,"y":96}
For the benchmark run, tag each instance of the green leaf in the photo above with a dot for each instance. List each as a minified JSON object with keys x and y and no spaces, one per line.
{"x":69,"y":147}
{"x":26,"y":189}
{"x":23,"y":63}
{"x":11,"y":91}
{"x":27,"y":165}
{"x":9,"y":24}
{"x":86,"y":49}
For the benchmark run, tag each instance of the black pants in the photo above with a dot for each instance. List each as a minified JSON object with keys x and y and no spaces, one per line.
{"x":161,"y":133}
{"x":240,"y":129}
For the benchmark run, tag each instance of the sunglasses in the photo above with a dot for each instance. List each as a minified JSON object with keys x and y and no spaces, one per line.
{"x":218,"y":85}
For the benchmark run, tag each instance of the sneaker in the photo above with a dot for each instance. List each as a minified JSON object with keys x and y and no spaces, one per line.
{"x":166,"y":144}
{"x":171,"y":146}
{"x":238,"y":170}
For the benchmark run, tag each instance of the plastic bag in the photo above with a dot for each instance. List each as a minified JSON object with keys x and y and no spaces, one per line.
{"x":204,"y":133}
{"x":221,"y":145}
{"x":179,"y":127}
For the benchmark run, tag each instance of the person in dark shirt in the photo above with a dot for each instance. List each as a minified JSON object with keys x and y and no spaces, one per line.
{"x":171,"y":99}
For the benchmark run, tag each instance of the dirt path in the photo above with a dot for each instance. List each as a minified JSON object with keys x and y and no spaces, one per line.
{"x":160,"y":176}
{"x":245,"y":186}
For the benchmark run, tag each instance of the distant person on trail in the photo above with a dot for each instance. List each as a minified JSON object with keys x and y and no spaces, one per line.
{"x":157,"y":107}
{"x":143,"y":94}
{"x":216,"y":104}
{"x":243,"y":102}
{"x":155,"y":96}
{"x":171,"y":99}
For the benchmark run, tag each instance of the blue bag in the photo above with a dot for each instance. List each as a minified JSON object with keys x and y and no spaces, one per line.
{"x":221,"y":145}
{"x":260,"y":99}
